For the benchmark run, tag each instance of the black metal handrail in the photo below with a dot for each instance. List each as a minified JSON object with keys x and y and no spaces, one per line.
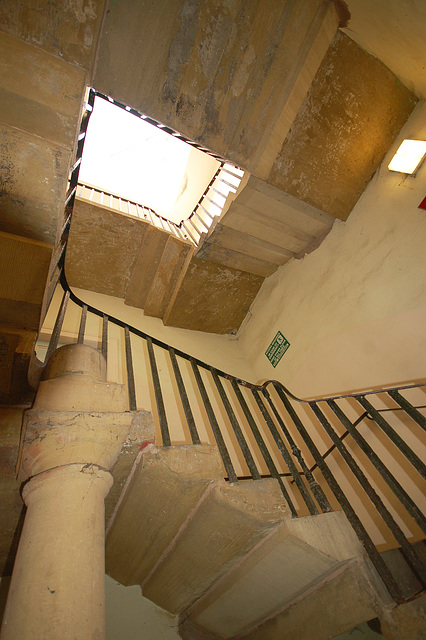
{"x":265,"y":426}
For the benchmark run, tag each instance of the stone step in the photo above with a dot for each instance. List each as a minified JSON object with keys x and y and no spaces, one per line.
{"x":297,"y":555}
{"x":228,"y":523}
{"x":164,"y":487}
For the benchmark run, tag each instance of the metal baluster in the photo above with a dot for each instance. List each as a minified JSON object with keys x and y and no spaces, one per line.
{"x":179,"y":232}
{"x":158,"y":396}
{"x":172,"y":228}
{"x":189,"y":221}
{"x":189,"y":233}
{"x":352,"y":517}
{"x":129,"y":366}
{"x":391,"y":481}
{"x":54,"y":338}
{"x":408,"y":408}
{"x":316,"y":489}
{"x":211,"y":202}
{"x":232,"y":476}
{"x":236,"y":427}
{"x":313,"y":510}
{"x":195,"y":214}
{"x":184,"y":399}
{"x":80,"y":339}
{"x":408,"y":551}
{"x":228,"y":184}
{"x":219,"y":193}
{"x":231,"y":173}
{"x":392,"y":435}
{"x":105,"y":336}
{"x":262,"y":446}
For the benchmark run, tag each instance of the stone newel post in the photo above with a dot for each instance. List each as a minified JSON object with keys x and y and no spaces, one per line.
{"x":73,"y":436}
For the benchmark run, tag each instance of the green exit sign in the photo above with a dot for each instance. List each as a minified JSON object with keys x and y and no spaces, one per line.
{"x":277,"y":349}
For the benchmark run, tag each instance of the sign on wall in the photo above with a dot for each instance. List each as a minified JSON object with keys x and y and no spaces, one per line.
{"x":277,"y":349}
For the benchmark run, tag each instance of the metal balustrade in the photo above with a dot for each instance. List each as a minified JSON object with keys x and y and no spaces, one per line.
{"x":358,"y":453}
{"x":225,"y":180}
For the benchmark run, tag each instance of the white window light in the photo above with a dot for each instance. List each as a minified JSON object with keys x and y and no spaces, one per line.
{"x":409,"y":156}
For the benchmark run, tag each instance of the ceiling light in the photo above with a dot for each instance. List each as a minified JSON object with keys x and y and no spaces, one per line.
{"x":408,"y":157}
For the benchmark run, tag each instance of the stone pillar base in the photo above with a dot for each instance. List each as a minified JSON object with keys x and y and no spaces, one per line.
{"x":57,"y":588}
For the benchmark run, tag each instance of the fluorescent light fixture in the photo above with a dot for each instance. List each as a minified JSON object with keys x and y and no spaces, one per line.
{"x":408,"y":157}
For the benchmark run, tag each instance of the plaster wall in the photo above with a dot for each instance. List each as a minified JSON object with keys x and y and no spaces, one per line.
{"x":354,"y":309}
{"x":129,"y":615}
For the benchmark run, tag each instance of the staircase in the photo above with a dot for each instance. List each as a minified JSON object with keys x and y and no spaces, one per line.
{"x":232,"y":505}
{"x":223,"y":556}
{"x":206,"y":287}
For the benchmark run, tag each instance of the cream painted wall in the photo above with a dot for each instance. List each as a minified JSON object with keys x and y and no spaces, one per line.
{"x":354,"y":310}
{"x":221,"y":351}
{"x":130,"y":616}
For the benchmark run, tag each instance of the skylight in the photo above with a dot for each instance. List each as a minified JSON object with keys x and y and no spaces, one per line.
{"x":131,"y":158}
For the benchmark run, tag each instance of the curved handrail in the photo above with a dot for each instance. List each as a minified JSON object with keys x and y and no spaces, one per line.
{"x":279,"y":420}
{"x":223,"y":374}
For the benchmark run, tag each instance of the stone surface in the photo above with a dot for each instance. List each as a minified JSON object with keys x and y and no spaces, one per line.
{"x":57,"y":588}
{"x":164,"y":487}
{"x":298,"y":553}
{"x":103,"y":267}
{"x":39,"y":93}
{"x":142,"y":432}
{"x":76,"y":416}
{"x":10,"y":498}
{"x":24,"y":266}
{"x":69,"y":30}
{"x":349,"y":597}
{"x":34,"y":174}
{"x":213,"y":298}
{"x":220,"y":74}
{"x":343,"y":129}
{"x":16,"y":346}
{"x":242,"y":513}
{"x":406,"y":622}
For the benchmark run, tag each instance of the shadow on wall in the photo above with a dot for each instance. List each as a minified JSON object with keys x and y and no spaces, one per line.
{"x":370,"y":630}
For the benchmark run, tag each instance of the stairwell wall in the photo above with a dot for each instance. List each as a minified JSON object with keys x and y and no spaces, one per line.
{"x":353,"y":310}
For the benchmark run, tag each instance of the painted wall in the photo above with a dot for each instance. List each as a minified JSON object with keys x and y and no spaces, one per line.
{"x":354,"y":310}
{"x":130,"y":616}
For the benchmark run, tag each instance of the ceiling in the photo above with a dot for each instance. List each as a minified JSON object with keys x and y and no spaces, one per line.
{"x":395,"y":32}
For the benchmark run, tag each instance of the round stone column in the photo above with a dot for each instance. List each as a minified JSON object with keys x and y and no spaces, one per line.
{"x":72,"y":437}
{"x":57,"y":587}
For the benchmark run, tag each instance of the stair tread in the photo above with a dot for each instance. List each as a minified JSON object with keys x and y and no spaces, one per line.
{"x":166,"y":485}
{"x":243,"y":513}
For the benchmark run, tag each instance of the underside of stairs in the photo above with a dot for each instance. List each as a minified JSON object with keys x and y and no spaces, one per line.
{"x":228,"y":557}
{"x":205,"y":288}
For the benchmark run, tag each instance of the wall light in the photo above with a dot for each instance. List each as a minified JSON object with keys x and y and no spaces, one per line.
{"x":409,"y":156}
